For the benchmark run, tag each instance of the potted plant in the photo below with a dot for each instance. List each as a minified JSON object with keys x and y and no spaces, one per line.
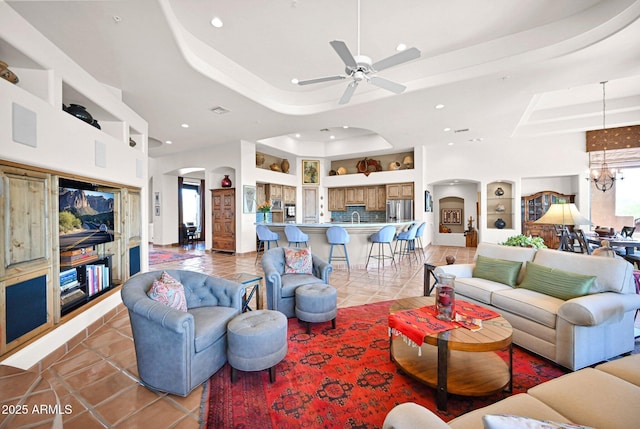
{"x":525,"y":241}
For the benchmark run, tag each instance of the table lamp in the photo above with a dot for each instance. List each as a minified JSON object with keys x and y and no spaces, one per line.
{"x":564,"y":214}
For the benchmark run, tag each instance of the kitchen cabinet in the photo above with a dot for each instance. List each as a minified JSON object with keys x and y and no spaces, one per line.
{"x":355,"y":196}
{"x":274,"y":191}
{"x":400,"y":191}
{"x":289,"y":194}
{"x":376,"y":198}
{"x":337,"y":200}
{"x":534,"y":207}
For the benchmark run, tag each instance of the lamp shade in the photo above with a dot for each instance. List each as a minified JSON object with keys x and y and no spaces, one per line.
{"x":563,"y":214}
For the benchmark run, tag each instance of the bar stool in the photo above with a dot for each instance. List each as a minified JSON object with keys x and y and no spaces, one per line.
{"x":407,"y":239}
{"x":337,"y":235}
{"x":383,"y":236}
{"x":296,"y":236}
{"x":265,"y":235}
{"x":419,"y":234}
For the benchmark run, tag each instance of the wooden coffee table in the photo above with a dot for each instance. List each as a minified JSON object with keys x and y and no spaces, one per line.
{"x":458,"y":361}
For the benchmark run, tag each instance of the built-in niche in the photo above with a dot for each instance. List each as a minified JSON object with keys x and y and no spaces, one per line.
{"x":500,"y":205}
{"x":451,"y":216}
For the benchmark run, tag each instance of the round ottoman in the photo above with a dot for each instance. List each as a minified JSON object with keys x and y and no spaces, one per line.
{"x":256,"y":340}
{"x":316,"y":303}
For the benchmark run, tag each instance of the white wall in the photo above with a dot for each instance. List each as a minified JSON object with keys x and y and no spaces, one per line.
{"x":553,"y":162}
{"x":67,"y":145}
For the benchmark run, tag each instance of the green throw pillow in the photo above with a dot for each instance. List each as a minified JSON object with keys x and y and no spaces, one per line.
{"x":557,"y":283}
{"x":498,"y":270}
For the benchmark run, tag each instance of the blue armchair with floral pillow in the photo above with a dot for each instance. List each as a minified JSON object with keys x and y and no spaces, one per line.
{"x":287,"y":268}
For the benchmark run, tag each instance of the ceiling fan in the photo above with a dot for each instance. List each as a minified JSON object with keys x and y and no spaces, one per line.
{"x":360,"y":68}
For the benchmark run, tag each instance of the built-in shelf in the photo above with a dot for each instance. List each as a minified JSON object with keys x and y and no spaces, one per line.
{"x":500,"y":210}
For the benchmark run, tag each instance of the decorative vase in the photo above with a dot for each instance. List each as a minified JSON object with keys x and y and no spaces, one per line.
{"x":259,"y":159}
{"x":499,"y":223}
{"x":450,"y":259}
{"x":500,"y":208}
{"x":80,"y":112}
{"x":226,"y":182}
{"x":264,"y":217}
{"x":275,"y":167}
{"x":445,"y":297}
{"x":499,"y":192}
{"x":285,"y":165}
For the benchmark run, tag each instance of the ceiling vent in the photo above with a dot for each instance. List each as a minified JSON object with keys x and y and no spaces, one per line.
{"x":461,"y":130}
{"x":219,"y":110}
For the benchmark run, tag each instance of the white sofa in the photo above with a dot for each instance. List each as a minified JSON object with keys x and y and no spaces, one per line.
{"x":606,"y":397}
{"x":575,"y":333}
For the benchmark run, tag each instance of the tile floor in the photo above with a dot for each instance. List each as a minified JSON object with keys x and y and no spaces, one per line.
{"x":96,"y":381}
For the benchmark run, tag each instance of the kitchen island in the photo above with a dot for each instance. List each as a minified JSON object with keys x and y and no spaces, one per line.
{"x":358,"y":245}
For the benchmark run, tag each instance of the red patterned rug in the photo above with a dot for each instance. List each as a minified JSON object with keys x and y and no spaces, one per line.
{"x":160,"y":256}
{"x":340,"y":378}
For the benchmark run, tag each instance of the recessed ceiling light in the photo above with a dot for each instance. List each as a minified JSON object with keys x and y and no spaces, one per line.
{"x":185,"y":125}
{"x":294,"y":81}
{"x":401,"y":47}
{"x":439,"y":106}
{"x":332,"y":137}
{"x":168,"y":142}
{"x":217,"y":22}
{"x":447,"y":129}
{"x":450,"y":143}
{"x":345,"y":126}
{"x":297,"y":135}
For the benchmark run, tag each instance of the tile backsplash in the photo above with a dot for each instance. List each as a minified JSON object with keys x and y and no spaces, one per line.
{"x":365,"y":216}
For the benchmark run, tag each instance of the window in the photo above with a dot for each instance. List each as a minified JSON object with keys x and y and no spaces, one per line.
{"x":190,"y":205}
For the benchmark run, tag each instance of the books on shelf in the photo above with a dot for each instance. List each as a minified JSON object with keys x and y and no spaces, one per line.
{"x":79,"y":257}
{"x":72,"y":296}
{"x":97,"y":278}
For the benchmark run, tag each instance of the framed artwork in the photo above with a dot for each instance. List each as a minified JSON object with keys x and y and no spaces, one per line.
{"x":310,"y":172}
{"x":428,"y":202}
{"x":249,"y":199}
{"x":451,"y":216}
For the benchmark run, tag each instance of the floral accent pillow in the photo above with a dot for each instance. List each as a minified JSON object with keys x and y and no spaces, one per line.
{"x":168,"y":291}
{"x":298,"y":261}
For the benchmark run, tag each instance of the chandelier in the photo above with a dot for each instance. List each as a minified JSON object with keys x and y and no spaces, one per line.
{"x":603,"y":177}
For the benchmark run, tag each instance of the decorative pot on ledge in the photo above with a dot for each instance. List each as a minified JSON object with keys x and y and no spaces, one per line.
{"x":79,"y":112}
{"x":500,"y":223}
{"x":285,"y":165}
{"x":226,"y":182}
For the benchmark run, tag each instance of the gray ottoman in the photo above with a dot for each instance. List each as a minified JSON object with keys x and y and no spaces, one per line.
{"x":256,"y":340}
{"x":316,"y":302}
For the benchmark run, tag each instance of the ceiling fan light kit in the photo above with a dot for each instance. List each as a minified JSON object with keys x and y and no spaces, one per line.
{"x":360,"y":68}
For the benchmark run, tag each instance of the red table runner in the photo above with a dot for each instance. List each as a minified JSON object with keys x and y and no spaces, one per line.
{"x":415,"y":324}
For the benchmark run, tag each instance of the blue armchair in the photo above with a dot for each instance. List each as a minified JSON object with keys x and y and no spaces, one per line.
{"x":177,"y":351}
{"x":281,"y":287}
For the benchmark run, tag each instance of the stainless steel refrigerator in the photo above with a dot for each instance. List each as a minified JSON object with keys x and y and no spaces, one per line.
{"x":399,"y":210}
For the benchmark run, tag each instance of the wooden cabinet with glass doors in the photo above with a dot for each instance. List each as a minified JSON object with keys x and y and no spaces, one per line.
{"x":534,"y":207}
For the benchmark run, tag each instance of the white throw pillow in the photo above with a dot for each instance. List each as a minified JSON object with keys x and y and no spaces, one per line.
{"x":509,"y":421}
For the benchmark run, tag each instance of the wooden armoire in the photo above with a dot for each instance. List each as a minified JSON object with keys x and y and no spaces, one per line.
{"x":534,"y":207}
{"x":223,"y":213}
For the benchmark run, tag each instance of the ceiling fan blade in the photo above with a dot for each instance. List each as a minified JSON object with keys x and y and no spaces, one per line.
{"x":399,"y":58}
{"x":345,"y":54}
{"x":320,"y":79}
{"x":387,"y":84}
{"x":351,"y":88}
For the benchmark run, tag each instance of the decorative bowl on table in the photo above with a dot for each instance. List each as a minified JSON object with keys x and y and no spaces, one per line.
{"x":605,"y":231}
